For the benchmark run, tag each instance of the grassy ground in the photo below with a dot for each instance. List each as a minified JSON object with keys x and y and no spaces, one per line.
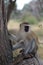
{"x":40,"y":52}
{"x":38,"y":30}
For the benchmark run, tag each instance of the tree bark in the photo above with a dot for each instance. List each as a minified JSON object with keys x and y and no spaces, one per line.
{"x":5,"y":48}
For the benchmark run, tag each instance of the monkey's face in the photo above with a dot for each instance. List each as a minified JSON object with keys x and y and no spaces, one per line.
{"x":25,"y":28}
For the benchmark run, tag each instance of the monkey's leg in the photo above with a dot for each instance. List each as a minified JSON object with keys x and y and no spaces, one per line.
{"x":31,"y":46}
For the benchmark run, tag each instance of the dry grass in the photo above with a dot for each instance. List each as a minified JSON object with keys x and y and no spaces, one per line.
{"x":40,"y":51}
{"x":13,"y":25}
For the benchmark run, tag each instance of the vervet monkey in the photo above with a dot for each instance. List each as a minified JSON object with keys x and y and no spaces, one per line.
{"x":26,"y":39}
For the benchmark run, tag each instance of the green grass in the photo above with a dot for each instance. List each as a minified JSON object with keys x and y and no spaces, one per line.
{"x":31,"y":19}
{"x":41,"y":18}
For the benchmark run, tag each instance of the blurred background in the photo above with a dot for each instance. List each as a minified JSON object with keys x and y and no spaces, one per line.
{"x":30,"y":11}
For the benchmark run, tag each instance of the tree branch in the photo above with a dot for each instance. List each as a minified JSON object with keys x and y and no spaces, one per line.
{"x":11,"y":6}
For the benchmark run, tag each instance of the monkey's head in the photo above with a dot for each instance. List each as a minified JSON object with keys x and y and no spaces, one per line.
{"x":25,"y":26}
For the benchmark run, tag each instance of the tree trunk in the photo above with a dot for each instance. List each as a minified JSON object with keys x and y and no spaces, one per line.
{"x":5,"y":48}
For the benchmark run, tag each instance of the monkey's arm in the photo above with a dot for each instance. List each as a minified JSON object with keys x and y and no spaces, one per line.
{"x":12,"y":37}
{"x":18,"y":45}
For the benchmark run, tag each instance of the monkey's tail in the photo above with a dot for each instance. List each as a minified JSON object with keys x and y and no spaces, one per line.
{"x":37,"y":60}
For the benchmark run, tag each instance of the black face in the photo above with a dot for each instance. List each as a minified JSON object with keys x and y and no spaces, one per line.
{"x":26,"y":28}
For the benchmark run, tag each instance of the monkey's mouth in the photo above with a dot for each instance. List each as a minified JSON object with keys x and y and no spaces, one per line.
{"x":26,"y":28}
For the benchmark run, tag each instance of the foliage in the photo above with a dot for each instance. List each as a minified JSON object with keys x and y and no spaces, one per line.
{"x":41,"y":18}
{"x":31,"y":19}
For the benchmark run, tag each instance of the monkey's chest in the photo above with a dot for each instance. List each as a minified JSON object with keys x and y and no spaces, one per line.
{"x":23,"y":37}
{"x":26,"y":43}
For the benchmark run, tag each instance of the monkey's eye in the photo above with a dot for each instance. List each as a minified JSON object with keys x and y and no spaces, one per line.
{"x":26,"y":28}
